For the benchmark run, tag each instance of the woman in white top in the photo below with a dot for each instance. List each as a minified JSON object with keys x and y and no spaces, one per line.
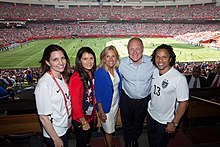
{"x":52,"y":96}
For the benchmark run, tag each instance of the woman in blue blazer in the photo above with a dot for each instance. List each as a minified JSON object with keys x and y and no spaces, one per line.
{"x":107,"y":91}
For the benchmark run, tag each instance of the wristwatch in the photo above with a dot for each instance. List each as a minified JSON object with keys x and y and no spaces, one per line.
{"x":175,"y":124}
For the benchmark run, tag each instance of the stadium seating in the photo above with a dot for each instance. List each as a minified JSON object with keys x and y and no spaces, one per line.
{"x":61,"y":30}
{"x":21,"y":26}
{"x":39,"y":12}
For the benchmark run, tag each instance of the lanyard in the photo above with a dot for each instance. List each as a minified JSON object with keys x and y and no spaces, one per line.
{"x":65,"y":99}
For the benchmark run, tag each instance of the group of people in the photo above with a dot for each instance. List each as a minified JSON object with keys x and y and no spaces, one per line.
{"x":197,"y":80}
{"x":140,"y":85}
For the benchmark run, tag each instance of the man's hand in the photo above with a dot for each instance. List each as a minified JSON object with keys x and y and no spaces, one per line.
{"x":171,"y":128}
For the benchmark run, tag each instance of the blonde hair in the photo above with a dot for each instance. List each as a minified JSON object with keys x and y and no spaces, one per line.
{"x":103,"y":54}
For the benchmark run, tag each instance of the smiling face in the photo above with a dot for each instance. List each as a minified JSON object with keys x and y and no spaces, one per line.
{"x":87,"y":61}
{"x":135,"y":50}
{"x":162,"y":60}
{"x":57,"y":63}
{"x":110,"y":58}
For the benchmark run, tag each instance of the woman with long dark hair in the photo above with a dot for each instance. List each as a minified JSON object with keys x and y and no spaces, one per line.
{"x":82,"y":94}
{"x":52,"y":96}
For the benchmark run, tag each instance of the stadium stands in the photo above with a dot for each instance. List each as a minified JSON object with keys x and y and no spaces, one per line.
{"x":9,"y":11}
{"x":24,"y":22}
{"x":61,"y":30}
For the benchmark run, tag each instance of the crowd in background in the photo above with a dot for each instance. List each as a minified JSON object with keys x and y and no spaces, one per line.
{"x":16,"y":77}
{"x":12,"y":11}
{"x":192,"y":33}
{"x":50,"y":30}
{"x":10,"y":79}
{"x":197,"y":38}
{"x":13,"y":81}
{"x":13,"y":33}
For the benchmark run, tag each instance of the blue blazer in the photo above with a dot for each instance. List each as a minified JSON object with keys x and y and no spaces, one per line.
{"x":104,"y":88}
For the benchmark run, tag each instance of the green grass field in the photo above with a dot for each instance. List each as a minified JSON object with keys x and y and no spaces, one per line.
{"x":29,"y":54}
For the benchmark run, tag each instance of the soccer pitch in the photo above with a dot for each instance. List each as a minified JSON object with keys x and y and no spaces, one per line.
{"x":29,"y":54}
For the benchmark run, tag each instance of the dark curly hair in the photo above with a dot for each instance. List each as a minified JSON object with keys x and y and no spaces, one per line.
{"x":169,"y":48}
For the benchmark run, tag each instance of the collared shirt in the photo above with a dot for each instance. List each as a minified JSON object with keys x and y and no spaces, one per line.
{"x":136,"y":79}
{"x":216,"y":81}
{"x":191,"y":82}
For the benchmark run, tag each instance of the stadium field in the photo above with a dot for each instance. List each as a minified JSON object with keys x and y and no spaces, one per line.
{"x":29,"y":54}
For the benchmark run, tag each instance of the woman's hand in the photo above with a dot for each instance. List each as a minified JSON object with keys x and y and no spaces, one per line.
{"x":102,"y":116}
{"x":58,"y":142}
{"x":85,"y":126}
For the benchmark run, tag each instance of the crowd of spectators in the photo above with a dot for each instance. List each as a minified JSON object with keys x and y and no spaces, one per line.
{"x":192,"y":33}
{"x":18,"y":78}
{"x":25,"y":11}
{"x":35,"y":30}
{"x":50,"y":30}
{"x":197,"y":38}
{"x":206,"y":67}
{"x":13,"y":80}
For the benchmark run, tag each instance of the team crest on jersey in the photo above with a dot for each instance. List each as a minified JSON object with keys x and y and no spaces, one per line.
{"x":165,"y":83}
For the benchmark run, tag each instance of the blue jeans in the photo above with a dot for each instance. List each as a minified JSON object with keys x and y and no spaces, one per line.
{"x":157,"y":135}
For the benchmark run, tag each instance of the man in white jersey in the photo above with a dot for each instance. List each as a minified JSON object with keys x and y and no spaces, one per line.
{"x":169,"y":97}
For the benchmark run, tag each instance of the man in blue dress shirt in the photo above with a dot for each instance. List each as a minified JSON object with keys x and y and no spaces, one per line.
{"x":136,"y":71}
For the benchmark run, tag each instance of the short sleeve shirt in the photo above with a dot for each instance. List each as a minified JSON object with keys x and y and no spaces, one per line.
{"x":50,"y":101}
{"x":166,"y":91}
